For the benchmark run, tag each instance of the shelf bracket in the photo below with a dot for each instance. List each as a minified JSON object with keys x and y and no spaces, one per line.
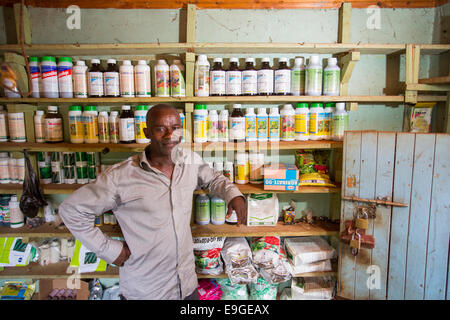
{"x":347,"y":63}
{"x":412,"y":73}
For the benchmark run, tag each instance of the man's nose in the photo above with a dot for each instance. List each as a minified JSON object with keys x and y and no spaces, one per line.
{"x":168,"y":134}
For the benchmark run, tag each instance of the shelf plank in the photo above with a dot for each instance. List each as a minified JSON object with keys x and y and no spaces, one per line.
{"x":105,"y":100}
{"x":50,"y":230}
{"x":435,"y":80}
{"x":258,"y":145}
{"x":299,"y":229}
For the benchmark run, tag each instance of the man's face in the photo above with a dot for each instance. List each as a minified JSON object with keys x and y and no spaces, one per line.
{"x":164,"y":132}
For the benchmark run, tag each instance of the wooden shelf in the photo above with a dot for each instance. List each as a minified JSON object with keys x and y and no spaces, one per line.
{"x":50,"y":230}
{"x":258,"y":145}
{"x":436,"y":80}
{"x":296,"y":230}
{"x":86,"y":101}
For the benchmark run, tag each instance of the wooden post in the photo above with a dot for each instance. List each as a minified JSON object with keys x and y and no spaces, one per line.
{"x":26,"y":23}
{"x":345,"y":16}
{"x":412,"y":72}
{"x":191,"y":23}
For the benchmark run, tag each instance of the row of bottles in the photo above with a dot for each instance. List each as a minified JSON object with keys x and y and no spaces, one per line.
{"x":303,"y":123}
{"x":311,"y":80}
{"x":11,"y":170}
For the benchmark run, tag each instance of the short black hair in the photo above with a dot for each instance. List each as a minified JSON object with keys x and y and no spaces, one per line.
{"x":156,"y":109}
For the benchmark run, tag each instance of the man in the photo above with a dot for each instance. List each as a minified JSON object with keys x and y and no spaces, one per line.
{"x":151,"y":196}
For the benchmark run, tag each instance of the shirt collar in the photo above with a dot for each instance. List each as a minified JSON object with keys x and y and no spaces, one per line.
{"x":145,"y":164}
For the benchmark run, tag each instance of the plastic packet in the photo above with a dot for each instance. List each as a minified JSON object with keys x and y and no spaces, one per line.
{"x":313,"y":288}
{"x":209,"y":289}
{"x":262,"y":290}
{"x":13,"y":252}
{"x":303,"y":250}
{"x":232,"y":291}
{"x":207,"y":255}
{"x":313,"y":166}
{"x":266,"y":251}
{"x":263,"y":209}
{"x":281,"y":272}
{"x":112,"y":293}
{"x":16,"y":290}
{"x":319,"y":266}
{"x":236,"y":254}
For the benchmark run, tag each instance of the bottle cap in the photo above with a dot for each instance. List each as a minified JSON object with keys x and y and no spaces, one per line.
{"x":90,"y":108}
{"x":302,"y":105}
{"x":75,"y":108}
{"x":340,"y":106}
{"x":236,"y":106}
{"x":65,"y":59}
{"x":162,"y":61}
{"x":33,"y":59}
{"x":46,"y":58}
{"x":81,"y":63}
{"x":95,"y":61}
{"x":200,"y":107}
{"x":316,"y":105}
{"x":261,"y":110}
{"x":314,"y":60}
{"x":39,"y":112}
{"x":114,"y":113}
{"x":250,"y":60}
{"x":202,"y":58}
{"x":142,"y":108}
{"x":113,"y":61}
{"x":52,"y":108}
{"x":218,"y":60}
{"x":126,"y":63}
{"x":282,"y":59}
{"x":330,"y":105}
{"x":126,"y":107}
{"x":250,"y":110}
{"x":332,"y":61}
{"x":265,"y":59}
{"x":298,"y":61}
{"x":103,"y":113}
{"x":142,"y":62}
{"x":288,"y":107}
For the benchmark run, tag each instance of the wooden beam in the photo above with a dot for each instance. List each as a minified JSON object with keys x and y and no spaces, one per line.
{"x":191,"y":23}
{"x":26,"y":23}
{"x":412,"y":72}
{"x":427,"y":87}
{"x":345,"y":16}
{"x":347,"y":63}
{"x":435,"y":80}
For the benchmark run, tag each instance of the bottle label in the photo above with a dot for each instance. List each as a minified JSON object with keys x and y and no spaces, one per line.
{"x":76,"y":127}
{"x":39,"y":131}
{"x":141,"y":124}
{"x":218,"y":211}
{"x":241,"y":173}
{"x":126,"y":83}
{"x":35,"y":72}
{"x":90,"y":127}
{"x":95,"y":83}
{"x":111,"y":84}
{"x":250,"y":126}
{"x":256,"y":175}
{"x":262,"y":127}
{"x":162,"y":83}
{"x":274,"y":126}
{"x":143,"y":84}
{"x":114,"y":131}
{"x":65,"y":79}
{"x":314,"y":124}
{"x":3,"y":128}
{"x":313,"y":81}
{"x":53,"y":129}
{"x":200,"y":126}
{"x":282,"y":81}
{"x":79,"y":83}
{"x":223,"y":130}
{"x":126,"y":129}
{"x":177,"y":85}
{"x":49,"y":79}
{"x":328,"y":116}
{"x":288,"y":127}
{"x":234,"y":82}
{"x":103,"y":132}
{"x":265,"y":81}
{"x":301,"y":123}
{"x":213,"y":130}
{"x":202,"y":212}
{"x":298,"y":82}
{"x":340,"y":124}
{"x":202,"y":80}
{"x":16,"y":126}
{"x":218,"y":82}
{"x":331,"y":82}
{"x":237,"y":128}
{"x":321,"y":122}
{"x":249,"y":82}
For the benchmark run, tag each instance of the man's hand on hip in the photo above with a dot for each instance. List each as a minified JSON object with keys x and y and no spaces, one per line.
{"x":238,"y":204}
{"x":123,"y":256}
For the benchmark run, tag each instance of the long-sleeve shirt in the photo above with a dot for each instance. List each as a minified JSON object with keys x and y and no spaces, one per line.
{"x":154,"y":214}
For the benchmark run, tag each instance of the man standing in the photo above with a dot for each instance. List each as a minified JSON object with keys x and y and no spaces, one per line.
{"x":151,"y":196}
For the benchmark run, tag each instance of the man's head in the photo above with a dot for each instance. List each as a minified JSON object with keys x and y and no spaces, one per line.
{"x":164,"y":129}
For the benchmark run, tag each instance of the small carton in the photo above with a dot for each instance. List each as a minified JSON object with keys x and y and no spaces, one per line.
{"x":281,"y":177}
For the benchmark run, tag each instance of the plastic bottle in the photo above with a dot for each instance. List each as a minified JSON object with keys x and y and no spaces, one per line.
{"x":103,"y":127}
{"x":313,"y":77}
{"x":218,"y":210}
{"x":250,"y":125}
{"x":315,"y":118}
{"x":201,"y":81}
{"x":231,"y":220}
{"x":249,"y":78}
{"x":35,"y":72}
{"x":177,"y":84}
{"x":162,"y":79}
{"x":200,"y":123}
{"x":218,"y":166}
{"x":241,"y":168}
{"x":262,"y":122}
{"x":49,"y":77}
{"x":80,"y":80}
{"x":76,"y":125}
{"x":287,"y":123}
{"x":126,"y":75}
{"x":142,"y":79}
{"x":12,"y":170}
{"x":16,"y":216}
{"x":282,"y":81}
{"x":4,"y":135}
{"x":202,"y":209}
{"x":95,"y":79}
{"x":90,"y":121}
{"x":256,"y":161}
{"x":217,"y":78}
{"x":16,"y":126}
{"x":328,"y":120}
{"x":340,"y":122}
{"x":331,"y":78}
{"x":65,"y":77}
{"x":20,"y":170}
{"x":265,"y":78}
{"x":111,"y":79}
{"x":183,"y":125}
{"x":53,"y":125}
{"x":237,"y":124}
{"x":140,"y":122}
{"x":113,"y":121}
{"x":228,"y":170}
{"x":39,"y":133}
{"x":302,"y":122}
{"x":233,"y":78}
{"x":126,"y":123}
{"x":4,"y":170}
{"x":213,"y":126}
{"x":274,"y":125}
{"x":223,"y":126}
{"x":298,"y":77}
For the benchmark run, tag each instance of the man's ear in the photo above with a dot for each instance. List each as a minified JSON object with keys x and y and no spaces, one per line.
{"x":147,"y":132}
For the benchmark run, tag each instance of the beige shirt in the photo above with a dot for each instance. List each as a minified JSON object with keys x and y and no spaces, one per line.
{"x":154,"y":215}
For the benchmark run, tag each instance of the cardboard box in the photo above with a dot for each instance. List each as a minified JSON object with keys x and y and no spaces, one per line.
{"x":281,"y":177}
{"x":47,"y":285}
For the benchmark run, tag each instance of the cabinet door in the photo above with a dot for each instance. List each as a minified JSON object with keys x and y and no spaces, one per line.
{"x":410,"y":257}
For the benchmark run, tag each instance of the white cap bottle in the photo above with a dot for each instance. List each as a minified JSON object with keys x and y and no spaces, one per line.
{"x":331,"y":78}
{"x":201,"y":80}
{"x":142,"y":79}
{"x":126,"y":75}
{"x":313,"y":77}
{"x":274,"y":125}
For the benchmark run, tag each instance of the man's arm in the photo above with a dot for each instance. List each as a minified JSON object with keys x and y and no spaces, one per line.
{"x":78,"y":212}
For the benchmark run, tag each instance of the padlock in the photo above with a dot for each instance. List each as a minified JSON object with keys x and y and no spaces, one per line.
{"x":355,"y":244}
{"x":362,"y":218}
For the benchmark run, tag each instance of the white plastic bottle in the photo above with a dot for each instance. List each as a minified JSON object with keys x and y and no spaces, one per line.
{"x":265,"y":78}
{"x":16,"y":127}
{"x":103,"y":127}
{"x":202,"y":209}
{"x":328,"y":119}
{"x":35,"y":71}
{"x":65,"y":84}
{"x":126,"y":75}
{"x":315,"y":117}
{"x":76,"y":124}
{"x":4,"y":135}
{"x":223,"y":126}
{"x":218,"y":211}
{"x":90,"y":120}
{"x":162,"y":79}
{"x":331,"y":78}
{"x":249,"y":78}
{"x":340,"y":122}
{"x":313,"y":77}
{"x":49,"y":77}
{"x":262,"y":124}
{"x":218,"y":166}
{"x":241,"y":168}
{"x":113,"y":120}
{"x":233,"y":78}
{"x":298,"y":77}
{"x":111,"y":79}
{"x":80,"y":84}
{"x":177,"y":84}
{"x":201,"y":81}
{"x":228,"y":170}
{"x":274,"y":125}
{"x":142,"y":79}
{"x":200,"y":123}
{"x":39,"y":126}
{"x":250,"y":125}
{"x":217,"y":78}
{"x":140,"y":123}
{"x":16,"y":216}
{"x":302,"y":122}
{"x":287,"y":123}
{"x":213,"y":126}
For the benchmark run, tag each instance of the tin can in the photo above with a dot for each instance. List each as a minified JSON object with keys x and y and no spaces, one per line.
{"x":81,"y":158}
{"x":82,"y":175}
{"x":69,"y":158}
{"x":55,"y":157}
{"x":98,"y":222}
{"x":45,"y":172}
{"x":112,"y":220}
{"x":107,"y":218}
{"x":91,"y":158}
{"x":57,"y":175}
{"x":43,"y":157}
{"x":92,"y":173}
{"x":69,"y":175}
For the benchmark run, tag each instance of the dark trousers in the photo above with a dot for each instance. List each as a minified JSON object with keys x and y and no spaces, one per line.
{"x":192,"y":296}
